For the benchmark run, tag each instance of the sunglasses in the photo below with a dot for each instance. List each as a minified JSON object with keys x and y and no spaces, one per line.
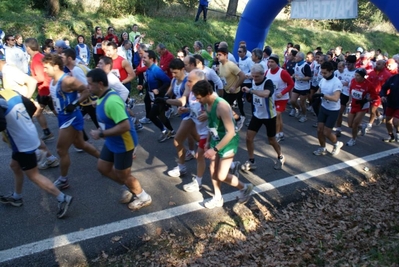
{"x":239,"y":51}
{"x":11,"y":40}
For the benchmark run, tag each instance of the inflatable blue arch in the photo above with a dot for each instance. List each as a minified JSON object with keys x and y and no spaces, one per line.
{"x":259,"y":15}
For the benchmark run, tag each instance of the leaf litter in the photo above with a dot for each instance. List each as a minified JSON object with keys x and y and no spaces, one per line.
{"x":349,"y":225}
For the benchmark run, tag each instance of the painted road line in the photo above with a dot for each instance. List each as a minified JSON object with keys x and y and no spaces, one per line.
{"x":75,"y":237}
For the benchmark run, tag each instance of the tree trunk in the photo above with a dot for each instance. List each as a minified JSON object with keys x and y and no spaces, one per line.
{"x":53,"y":7}
{"x":232,"y":8}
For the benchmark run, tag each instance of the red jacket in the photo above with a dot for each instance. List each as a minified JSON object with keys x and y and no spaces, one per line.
{"x":378,"y":78}
{"x":164,"y":62}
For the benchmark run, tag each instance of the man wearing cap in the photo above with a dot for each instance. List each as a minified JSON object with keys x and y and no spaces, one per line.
{"x":283,"y":84}
{"x":60,"y":46}
{"x":232,"y":78}
{"x":362,"y":92}
{"x":349,"y":74}
{"x":390,"y":95}
{"x":377,"y":77}
{"x":302,"y":76}
{"x":330,"y":88}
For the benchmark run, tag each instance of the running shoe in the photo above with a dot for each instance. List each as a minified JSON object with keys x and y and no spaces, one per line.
{"x":177,"y":171}
{"x":303,"y":118}
{"x":138,"y":127}
{"x":337,"y":148}
{"x":240,"y":123}
{"x":236,"y":170}
{"x":194,"y":186}
{"x":280,"y":163}
{"x":213,"y":203}
{"x":321,"y":151}
{"x":61,"y":184}
{"x":47,"y":137}
{"x":164,"y":136}
{"x":351,"y":142}
{"x":63,"y":206}
{"x":248,"y":166}
{"x":139,"y":203}
{"x":145,"y":120}
{"x":189,"y":155}
{"x":245,"y":194}
{"x":11,"y":200}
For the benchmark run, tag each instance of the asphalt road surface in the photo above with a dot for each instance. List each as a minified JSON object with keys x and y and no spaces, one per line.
{"x":31,"y":235}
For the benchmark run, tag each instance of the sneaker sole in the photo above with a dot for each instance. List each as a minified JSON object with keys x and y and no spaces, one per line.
{"x":48,"y":139}
{"x":12,"y":203}
{"x":63,"y":187}
{"x":59,"y":216}
{"x":142,"y":206}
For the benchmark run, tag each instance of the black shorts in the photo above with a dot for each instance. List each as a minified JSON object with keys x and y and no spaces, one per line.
{"x":26,"y":161}
{"x":314,"y":88}
{"x":344,"y":99}
{"x":45,"y":100}
{"x":301,"y":92}
{"x":328,"y":117}
{"x":230,"y":98}
{"x":122,"y":161}
{"x":255,"y":124}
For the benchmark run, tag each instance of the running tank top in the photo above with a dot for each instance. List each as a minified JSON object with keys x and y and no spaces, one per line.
{"x":196,"y":108}
{"x":60,"y":98}
{"x":301,"y":85}
{"x":279,"y":84}
{"x":263,"y":107}
{"x":118,"y":69}
{"x":83,"y":52}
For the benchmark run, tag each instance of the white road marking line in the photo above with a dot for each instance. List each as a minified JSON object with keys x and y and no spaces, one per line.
{"x":75,"y":237}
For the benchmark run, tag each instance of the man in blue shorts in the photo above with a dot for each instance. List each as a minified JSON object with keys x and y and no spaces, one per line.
{"x":120,"y":139}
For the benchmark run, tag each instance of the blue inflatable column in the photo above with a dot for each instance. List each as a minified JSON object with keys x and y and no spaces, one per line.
{"x":390,"y":8}
{"x":255,"y":22}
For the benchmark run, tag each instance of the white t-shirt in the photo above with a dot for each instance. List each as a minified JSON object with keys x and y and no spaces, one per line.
{"x":329,"y":87}
{"x":115,"y":83}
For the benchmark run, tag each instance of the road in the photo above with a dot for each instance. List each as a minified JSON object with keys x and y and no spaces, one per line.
{"x":32,"y":233}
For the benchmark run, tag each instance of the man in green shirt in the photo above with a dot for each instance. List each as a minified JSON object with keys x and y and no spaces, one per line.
{"x":199,"y":49}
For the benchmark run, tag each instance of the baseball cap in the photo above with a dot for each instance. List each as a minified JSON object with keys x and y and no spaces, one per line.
{"x":61,"y":44}
{"x":360,"y":49}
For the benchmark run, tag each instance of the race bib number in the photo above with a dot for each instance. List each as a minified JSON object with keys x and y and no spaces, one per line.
{"x":214,"y":134}
{"x":257,"y":101}
{"x":357,"y":94}
{"x":57,"y":105}
{"x":195,"y":109}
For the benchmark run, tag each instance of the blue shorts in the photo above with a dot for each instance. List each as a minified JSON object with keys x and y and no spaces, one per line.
{"x":75,"y":119}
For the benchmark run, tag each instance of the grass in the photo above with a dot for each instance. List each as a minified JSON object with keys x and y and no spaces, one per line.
{"x":175,"y":27}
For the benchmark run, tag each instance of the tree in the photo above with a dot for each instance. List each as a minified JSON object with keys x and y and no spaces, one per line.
{"x":232,"y":8}
{"x":53,"y":7}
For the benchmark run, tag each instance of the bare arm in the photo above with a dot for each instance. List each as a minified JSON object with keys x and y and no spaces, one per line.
{"x":130,"y":72}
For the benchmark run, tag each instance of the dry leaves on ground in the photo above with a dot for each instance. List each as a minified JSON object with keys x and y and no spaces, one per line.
{"x":344,"y":226}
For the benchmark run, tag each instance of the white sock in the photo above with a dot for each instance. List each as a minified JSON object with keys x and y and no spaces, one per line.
{"x":199,"y":180}
{"x":143,"y":195}
{"x":61,"y":197}
{"x":232,"y":165}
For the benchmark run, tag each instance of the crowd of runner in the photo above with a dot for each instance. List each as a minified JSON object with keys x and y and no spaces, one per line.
{"x":207,"y":88}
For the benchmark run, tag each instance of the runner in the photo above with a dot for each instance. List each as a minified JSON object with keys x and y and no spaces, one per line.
{"x":120,"y":139}
{"x":222,"y":144}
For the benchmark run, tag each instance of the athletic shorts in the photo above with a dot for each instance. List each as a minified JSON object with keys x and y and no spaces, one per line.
{"x":301,"y":92}
{"x":344,"y":99}
{"x":390,"y":112}
{"x":202,"y":142}
{"x":314,"y":88}
{"x":228,"y":150}
{"x":45,"y":100}
{"x":122,"y":161}
{"x":255,"y":124}
{"x":377,"y":102}
{"x":328,"y":117}
{"x":230,"y":98}
{"x":280,"y":105}
{"x":26,"y":161}
{"x":74,"y":119}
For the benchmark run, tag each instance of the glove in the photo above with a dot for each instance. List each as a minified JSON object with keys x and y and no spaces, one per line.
{"x":317,"y":95}
{"x":3,"y":103}
{"x":361,"y":102}
{"x":70,"y":108}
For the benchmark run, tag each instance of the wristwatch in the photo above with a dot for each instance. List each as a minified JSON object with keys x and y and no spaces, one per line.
{"x":216,"y":150}
{"x":101,"y":134}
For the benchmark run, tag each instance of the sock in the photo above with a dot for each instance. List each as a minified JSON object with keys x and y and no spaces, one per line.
{"x":199,"y":180}
{"x":281,"y":134}
{"x":252,"y":160}
{"x":46,"y":131}
{"x":63,"y":178}
{"x":143,"y":195}
{"x":369,"y":125}
{"x":61,"y":197}
{"x":181,"y":166}
{"x":233,"y":165}
{"x":16,"y":196}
